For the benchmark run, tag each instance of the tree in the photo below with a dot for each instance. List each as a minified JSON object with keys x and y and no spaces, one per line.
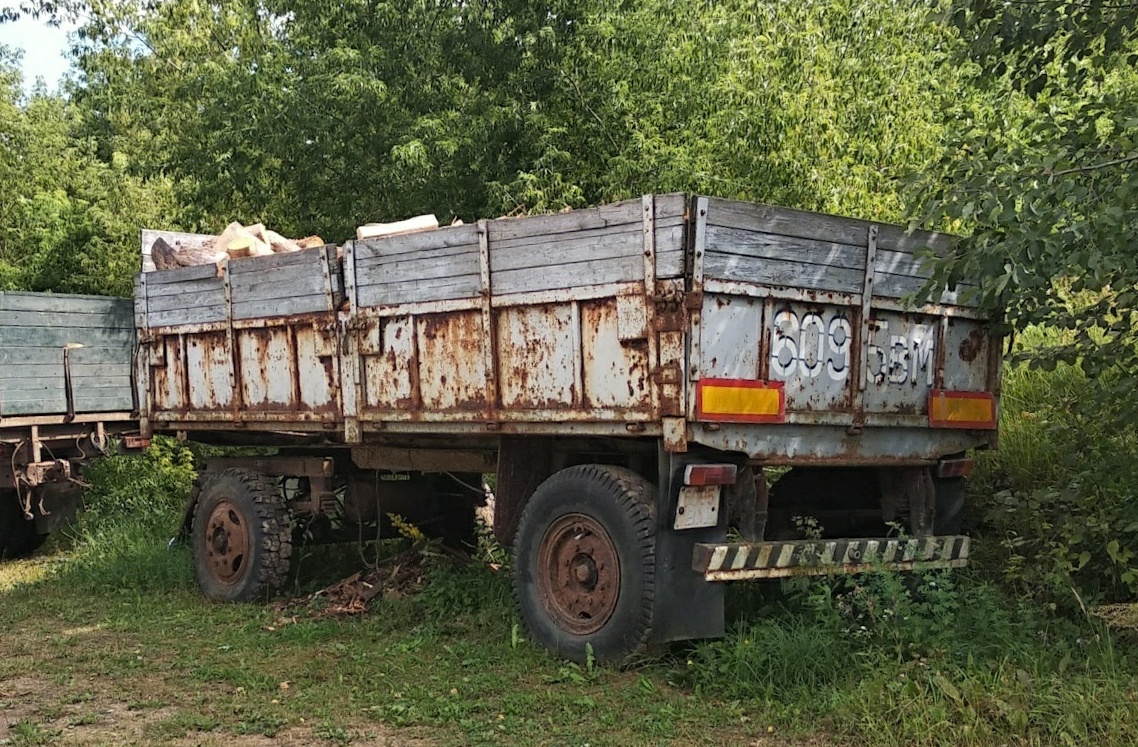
{"x":1043,"y":172}
{"x":68,"y":220}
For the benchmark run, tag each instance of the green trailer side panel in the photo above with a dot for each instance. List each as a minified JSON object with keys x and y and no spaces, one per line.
{"x":39,"y":331}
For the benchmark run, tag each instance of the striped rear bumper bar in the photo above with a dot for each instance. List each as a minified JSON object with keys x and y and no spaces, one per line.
{"x":751,"y":560}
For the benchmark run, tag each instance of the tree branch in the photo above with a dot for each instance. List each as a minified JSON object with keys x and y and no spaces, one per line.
{"x":1093,"y":167}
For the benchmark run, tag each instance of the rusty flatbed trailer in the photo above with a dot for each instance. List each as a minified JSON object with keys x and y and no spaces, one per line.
{"x":630,"y":372}
{"x":65,"y":389}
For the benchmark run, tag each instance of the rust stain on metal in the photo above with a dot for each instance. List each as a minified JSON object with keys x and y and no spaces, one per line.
{"x":971,"y":345}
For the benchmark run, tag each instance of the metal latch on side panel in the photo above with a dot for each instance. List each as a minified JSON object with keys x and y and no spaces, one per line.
{"x":698,"y":506}
{"x":631,"y":318}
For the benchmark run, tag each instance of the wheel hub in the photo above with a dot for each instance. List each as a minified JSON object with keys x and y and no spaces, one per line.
{"x":226,"y":542}
{"x":578,"y":575}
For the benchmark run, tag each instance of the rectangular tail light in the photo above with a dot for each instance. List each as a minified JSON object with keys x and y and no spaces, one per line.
{"x":710,"y":474}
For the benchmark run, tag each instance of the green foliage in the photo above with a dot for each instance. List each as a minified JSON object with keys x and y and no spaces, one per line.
{"x":1057,"y":496}
{"x":157,"y":482}
{"x":1041,"y":171}
{"x":941,"y":659}
{"x":69,"y":218}
{"x":134,"y":506}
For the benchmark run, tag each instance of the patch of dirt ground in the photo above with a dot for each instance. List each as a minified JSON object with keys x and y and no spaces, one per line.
{"x":33,"y":711}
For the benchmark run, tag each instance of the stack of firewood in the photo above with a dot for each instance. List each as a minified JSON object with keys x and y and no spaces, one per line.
{"x":257,"y":241}
{"x":235,"y":241}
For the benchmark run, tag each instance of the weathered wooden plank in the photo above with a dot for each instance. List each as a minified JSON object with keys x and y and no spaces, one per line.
{"x":18,"y":301}
{"x":45,"y":370}
{"x":203,"y":314}
{"x":585,"y":246}
{"x":617,"y":213}
{"x":601,"y":272}
{"x":311,"y":258}
{"x":669,"y":264}
{"x":119,"y":317}
{"x":900,"y":286}
{"x":25,"y":387}
{"x":898,"y":239}
{"x":779,"y":272}
{"x":600,"y":232}
{"x":12,"y":357}
{"x":57,"y":337}
{"x":186,"y":286}
{"x":368,"y":263}
{"x":764,"y":246}
{"x":411,"y":243}
{"x":188,"y":300}
{"x":270,"y":307}
{"x":253,"y":288}
{"x":672,"y":204}
{"x":818,"y":226}
{"x":181,"y":275}
{"x":412,"y":269}
{"x":57,"y":405}
{"x":748,"y":216}
{"x":902,"y":263}
{"x":436,"y":289}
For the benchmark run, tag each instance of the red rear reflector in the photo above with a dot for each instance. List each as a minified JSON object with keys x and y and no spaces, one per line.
{"x":962,"y":410}
{"x":710,"y":474}
{"x":954,"y":468}
{"x":740,"y":401}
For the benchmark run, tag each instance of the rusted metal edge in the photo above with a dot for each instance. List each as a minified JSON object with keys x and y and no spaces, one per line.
{"x":754,"y":560}
{"x":279,"y":466}
{"x":699,"y":245}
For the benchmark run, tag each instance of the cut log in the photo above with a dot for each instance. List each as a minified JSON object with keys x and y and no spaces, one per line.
{"x":411,"y":225}
{"x":310,"y":242}
{"x":280,"y":244}
{"x":171,"y":257}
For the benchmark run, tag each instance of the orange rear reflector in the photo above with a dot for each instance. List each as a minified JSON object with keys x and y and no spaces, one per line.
{"x":962,"y":410}
{"x":740,"y":401}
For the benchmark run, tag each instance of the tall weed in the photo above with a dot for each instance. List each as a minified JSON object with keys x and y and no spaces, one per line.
{"x":1058,"y":494}
{"x":132,"y":510}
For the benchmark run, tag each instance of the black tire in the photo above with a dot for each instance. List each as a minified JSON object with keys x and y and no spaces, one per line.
{"x":607,"y":513}
{"x":18,"y":535}
{"x":949,"y":512}
{"x":242,"y":536}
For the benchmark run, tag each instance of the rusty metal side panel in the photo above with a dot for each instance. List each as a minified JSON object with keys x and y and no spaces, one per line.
{"x":207,"y":371}
{"x":615,"y":357}
{"x":167,"y":369}
{"x":385,"y":350}
{"x":538,"y":358}
{"x":731,"y":332}
{"x":452,"y":373}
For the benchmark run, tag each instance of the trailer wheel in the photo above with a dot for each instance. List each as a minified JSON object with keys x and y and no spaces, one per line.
{"x":948,"y":517}
{"x":585,"y":563}
{"x":18,"y":536}
{"x":242,"y":537}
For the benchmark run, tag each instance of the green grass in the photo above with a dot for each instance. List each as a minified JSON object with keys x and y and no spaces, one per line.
{"x":107,"y":640}
{"x":871,"y":661}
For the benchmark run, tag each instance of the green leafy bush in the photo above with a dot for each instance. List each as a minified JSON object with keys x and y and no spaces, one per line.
{"x":1056,"y":498}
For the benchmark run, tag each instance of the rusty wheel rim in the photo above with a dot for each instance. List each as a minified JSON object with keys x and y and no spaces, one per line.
{"x":578,"y":575}
{"x":226,"y":542}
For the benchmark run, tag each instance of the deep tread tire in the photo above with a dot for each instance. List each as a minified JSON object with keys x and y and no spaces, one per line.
{"x":624,"y":505}
{"x":949,"y":512}
{"x":18,"y":536}
{"x":260,"y":510}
